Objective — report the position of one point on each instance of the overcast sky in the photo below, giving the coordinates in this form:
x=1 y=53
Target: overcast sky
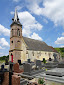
x=41 y=19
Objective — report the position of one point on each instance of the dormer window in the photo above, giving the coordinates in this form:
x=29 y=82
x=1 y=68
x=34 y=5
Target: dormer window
x=18 y=32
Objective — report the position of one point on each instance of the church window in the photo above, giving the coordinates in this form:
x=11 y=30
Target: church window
x=49 y=55
x=11 y=41
x=26 y=52
x=18 y=41
x=18 y=32
x=33 y=53
x=40 y=53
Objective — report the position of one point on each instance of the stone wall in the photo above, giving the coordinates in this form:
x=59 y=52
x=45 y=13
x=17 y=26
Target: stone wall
x=6 y=79
x=15 y=80
x=39 y=55
x=15 y=43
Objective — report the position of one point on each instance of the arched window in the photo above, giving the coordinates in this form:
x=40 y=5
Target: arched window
x=18 y=32
x=33 y=53
x=11 y=41
x=40 y=53
x=49 y=55
x=26 y=52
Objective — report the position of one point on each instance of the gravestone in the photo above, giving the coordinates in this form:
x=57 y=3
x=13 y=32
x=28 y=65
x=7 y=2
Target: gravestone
x=28 y=60
x=50 y=65
x=29 y=70
x=55 y=57
x=19 y=61
x=38 y=64
x=16 y=67
x=55 y=72
x=6 y=61
x=11 y=66
x=61 y=64
x=2 y=67
x=27 y=67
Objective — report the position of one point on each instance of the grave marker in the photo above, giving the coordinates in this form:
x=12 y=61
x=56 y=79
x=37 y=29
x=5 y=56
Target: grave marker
x=55 y=57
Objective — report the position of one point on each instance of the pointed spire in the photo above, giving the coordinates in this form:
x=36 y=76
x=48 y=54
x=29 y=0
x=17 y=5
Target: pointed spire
x=15 y=16
x=16 y=19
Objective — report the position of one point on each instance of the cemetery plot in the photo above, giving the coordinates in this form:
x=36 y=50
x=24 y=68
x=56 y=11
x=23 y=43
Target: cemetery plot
x=56 y=72
x=50 y=65
x=61 y=65
x=31 y=69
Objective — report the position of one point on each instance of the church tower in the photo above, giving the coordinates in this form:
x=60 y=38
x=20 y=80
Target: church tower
x=15 y=39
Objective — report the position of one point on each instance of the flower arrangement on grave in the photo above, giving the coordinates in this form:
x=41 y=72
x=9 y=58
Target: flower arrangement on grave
x=41 y=81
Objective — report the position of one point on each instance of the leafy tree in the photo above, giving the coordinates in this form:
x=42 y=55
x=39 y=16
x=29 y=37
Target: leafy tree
x=61 y=51
x=3 y=57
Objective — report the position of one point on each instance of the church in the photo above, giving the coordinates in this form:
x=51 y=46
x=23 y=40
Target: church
x=23 y=48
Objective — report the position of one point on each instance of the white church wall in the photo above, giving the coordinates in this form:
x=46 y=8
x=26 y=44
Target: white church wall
x=23 y=52
x=39 y=55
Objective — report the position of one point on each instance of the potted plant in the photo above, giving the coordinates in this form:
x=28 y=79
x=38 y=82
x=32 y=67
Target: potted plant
x=41 y=81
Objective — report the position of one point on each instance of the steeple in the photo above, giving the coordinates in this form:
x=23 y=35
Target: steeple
x=16 y=16
x=15 y=19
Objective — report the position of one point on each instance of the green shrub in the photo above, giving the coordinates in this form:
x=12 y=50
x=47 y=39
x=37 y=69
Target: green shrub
x=41 y=81
x=44 y=61
x=4 y=57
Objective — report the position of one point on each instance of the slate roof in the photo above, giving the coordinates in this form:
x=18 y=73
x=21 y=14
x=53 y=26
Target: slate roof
x=36 y=45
